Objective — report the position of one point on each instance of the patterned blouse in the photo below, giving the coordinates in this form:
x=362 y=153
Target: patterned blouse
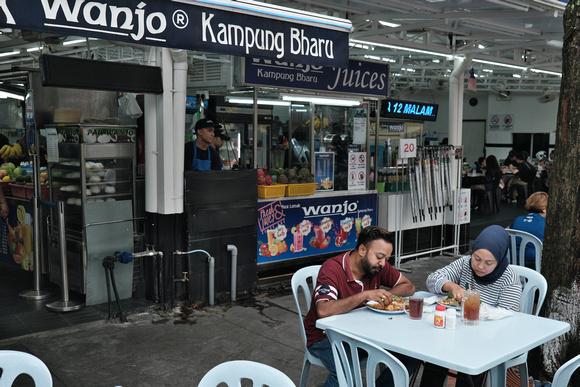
x=505 y=292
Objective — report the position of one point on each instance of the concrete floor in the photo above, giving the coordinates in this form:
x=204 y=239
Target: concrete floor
x=177 y=348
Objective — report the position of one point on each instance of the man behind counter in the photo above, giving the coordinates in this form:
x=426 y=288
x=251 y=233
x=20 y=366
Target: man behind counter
x=199 y=154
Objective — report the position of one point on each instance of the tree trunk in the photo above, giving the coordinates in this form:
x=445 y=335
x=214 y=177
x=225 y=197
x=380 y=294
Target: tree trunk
x=561 y=252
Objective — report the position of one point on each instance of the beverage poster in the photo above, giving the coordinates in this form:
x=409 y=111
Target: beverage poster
x=324 y=170
x=16 y=240
x=289 y=229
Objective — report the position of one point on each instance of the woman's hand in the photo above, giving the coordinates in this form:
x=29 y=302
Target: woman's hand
x=457 y=291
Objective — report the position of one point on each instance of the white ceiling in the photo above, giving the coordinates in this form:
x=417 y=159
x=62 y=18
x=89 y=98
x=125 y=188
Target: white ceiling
x=523 y=33
x=526 y=34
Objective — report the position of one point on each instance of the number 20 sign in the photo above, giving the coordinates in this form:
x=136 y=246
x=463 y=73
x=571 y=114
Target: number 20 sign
x=407 y=148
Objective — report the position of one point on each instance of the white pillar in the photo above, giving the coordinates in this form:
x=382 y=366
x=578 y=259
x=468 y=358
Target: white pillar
x=166 y=149
x=180 y=86
x=456 y=81
x=150 y=104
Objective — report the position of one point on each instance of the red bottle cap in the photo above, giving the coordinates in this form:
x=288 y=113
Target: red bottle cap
x=440 y=308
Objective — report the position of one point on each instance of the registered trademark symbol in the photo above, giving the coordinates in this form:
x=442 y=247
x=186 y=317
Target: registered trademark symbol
x=180 y=19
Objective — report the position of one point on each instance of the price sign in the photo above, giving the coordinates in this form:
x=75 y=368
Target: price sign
x=407 y=148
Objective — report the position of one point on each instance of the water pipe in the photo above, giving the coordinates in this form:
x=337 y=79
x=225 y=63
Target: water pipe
x=149 y=252
x=211 y=273
x=234 y=251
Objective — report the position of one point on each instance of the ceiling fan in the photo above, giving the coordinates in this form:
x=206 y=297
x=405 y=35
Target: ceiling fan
x=501 y=94
x=411 y=89
x=548 y=96
x=440 y=83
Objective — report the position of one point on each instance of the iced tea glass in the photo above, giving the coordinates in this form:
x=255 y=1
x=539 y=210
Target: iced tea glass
x=415 y=310
x=470 y=308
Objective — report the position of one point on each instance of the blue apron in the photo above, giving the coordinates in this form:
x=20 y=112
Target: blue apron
x=201 y=165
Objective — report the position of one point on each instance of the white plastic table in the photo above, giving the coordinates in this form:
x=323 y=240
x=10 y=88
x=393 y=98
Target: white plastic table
x=468 y=349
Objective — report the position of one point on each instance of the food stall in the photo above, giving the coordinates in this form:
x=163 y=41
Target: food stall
x=309 y=131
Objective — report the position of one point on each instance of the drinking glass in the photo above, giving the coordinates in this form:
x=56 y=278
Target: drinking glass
x=415 y=310
x=470 y=308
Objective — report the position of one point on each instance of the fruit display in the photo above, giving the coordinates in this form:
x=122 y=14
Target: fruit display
x=264 y=178
x=293 y=175
x=8 y=152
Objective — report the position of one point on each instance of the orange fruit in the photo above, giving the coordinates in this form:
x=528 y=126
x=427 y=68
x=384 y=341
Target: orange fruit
x=274 y=249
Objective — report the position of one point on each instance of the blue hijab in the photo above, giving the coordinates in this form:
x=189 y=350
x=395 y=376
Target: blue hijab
x=497 y=240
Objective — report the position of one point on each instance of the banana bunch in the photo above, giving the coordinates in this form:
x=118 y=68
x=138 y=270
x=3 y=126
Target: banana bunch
x=8 y=152
x=317 y=123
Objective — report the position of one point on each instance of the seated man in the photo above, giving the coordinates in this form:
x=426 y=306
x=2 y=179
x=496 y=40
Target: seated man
x=348 y=281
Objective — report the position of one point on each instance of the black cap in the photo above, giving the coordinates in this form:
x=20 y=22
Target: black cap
x=206 y=123
x=221 y=134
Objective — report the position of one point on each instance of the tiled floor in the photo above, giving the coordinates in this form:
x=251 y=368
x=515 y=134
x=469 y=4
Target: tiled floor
x=20 y=317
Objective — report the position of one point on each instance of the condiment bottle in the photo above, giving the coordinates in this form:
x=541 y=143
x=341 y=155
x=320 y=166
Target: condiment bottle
x=450 y=319
x=439 y=321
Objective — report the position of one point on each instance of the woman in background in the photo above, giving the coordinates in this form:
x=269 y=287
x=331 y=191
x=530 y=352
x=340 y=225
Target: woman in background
x=534 y=223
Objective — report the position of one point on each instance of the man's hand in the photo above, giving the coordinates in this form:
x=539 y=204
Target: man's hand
x=381 y=296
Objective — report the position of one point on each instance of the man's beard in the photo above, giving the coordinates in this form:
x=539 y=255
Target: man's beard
x=369 y=270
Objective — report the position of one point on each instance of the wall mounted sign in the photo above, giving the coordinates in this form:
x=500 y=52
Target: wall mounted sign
x=226 y=27
x=409 y=110
x=365 y=78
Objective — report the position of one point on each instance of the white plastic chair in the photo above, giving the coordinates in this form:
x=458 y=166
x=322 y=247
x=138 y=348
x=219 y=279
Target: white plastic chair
x=233 y=372
x=349 y=353
x=525 y=239
x=564 y=373
x=532 y=281
x=15 y=363
x=300 y=282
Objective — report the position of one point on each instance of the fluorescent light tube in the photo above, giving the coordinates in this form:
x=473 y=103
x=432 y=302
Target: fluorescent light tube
x=250 y=101
x=322 y=100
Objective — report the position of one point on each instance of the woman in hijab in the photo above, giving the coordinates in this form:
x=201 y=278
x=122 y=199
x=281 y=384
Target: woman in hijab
x=486 y=270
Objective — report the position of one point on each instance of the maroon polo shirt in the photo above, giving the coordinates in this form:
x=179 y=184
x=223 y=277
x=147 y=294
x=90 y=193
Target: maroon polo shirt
x=335 y=281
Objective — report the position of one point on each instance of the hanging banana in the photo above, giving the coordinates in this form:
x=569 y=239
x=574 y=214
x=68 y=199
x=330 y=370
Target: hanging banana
x=17 y=150
x=8 y=152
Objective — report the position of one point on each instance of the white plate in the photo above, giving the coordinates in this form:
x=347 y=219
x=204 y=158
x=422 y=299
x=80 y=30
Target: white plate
x=382 y=311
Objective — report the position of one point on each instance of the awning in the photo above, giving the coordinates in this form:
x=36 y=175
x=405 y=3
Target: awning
x=241 y=28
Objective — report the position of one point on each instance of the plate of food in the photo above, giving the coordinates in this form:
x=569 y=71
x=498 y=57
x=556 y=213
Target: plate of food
x=450 y=303
x=397 y=306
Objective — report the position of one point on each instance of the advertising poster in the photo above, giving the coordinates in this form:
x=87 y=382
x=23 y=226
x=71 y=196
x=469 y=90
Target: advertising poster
x=324 y=171
x=16 y=242
x=290 y=229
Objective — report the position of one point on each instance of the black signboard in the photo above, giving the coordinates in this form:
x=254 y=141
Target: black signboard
x=409 y=110
x=234 y=30
x=365 y=78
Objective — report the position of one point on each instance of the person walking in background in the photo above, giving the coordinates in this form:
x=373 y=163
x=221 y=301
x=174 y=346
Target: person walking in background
x=534 y=223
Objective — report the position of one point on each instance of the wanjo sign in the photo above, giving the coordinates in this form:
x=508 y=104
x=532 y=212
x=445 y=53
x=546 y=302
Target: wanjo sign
x=184 y=24
x=366 y=78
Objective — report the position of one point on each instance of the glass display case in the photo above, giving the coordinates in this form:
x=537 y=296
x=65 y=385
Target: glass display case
x=86 y=174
